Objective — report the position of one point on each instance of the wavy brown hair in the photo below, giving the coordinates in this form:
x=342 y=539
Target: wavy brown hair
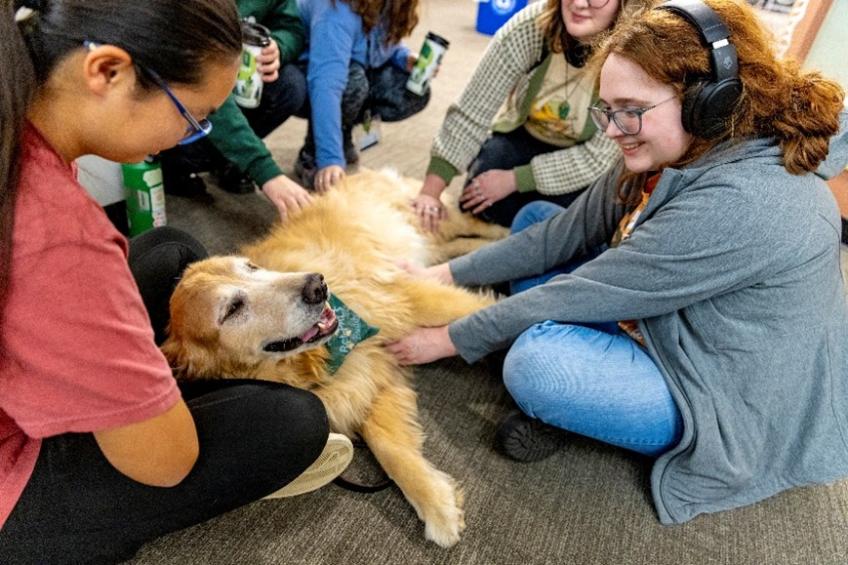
x=799 y=109
x=557 y=38
x=401 y=16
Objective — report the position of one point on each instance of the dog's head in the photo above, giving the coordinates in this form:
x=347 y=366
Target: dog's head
x=229 y=317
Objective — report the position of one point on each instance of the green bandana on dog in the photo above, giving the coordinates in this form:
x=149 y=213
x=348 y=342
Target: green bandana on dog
x=352 y=330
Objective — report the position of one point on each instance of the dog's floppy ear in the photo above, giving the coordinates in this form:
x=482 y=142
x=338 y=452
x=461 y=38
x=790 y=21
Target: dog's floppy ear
x=173 y=350
x=187 y=359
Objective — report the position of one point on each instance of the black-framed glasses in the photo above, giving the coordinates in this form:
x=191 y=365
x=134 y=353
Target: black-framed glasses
x=627 y=120
x=196 y=129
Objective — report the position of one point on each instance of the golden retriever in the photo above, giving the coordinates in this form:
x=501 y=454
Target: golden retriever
x=265 y=315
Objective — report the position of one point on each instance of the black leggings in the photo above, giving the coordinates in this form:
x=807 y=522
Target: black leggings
x=507 y=151
x=380 y=91
x=255 y=437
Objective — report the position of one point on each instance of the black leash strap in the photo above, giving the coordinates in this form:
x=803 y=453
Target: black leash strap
x=360 y=487
x=355 y=486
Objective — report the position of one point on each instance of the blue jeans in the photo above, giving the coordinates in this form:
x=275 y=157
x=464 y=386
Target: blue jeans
x=591 y=379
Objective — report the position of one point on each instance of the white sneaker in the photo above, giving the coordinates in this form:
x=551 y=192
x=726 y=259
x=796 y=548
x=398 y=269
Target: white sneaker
x=335 y=458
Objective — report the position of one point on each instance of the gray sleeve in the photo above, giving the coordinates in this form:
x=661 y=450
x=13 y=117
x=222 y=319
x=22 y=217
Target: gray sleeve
x=586 y=224
x=696 y=246
x=837 y=157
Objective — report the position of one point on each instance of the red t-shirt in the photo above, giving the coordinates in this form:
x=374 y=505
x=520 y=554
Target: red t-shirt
x=78 y=353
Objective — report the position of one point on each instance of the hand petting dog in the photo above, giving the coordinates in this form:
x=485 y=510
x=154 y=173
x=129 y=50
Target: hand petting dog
x=423 y=345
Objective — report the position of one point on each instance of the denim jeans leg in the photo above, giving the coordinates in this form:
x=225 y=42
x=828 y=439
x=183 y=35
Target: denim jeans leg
x=594 y=383
x=528 y=215
x=534 y=213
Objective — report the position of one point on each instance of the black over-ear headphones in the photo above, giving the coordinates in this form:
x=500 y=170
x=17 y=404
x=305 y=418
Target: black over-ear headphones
x=708 y=104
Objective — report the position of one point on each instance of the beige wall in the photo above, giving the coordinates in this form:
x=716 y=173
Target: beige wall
x=830 y=48
x=829 y=53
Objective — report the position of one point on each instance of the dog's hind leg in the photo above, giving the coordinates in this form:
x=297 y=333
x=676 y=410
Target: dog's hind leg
x=460 y=234
x=394 y=436
x=437 y=304
x=452 y=248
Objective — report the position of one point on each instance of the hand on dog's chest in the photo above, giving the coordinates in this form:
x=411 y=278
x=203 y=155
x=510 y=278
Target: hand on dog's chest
x=352 y=330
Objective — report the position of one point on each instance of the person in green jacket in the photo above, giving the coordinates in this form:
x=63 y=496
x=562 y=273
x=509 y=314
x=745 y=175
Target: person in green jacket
x=234 y=149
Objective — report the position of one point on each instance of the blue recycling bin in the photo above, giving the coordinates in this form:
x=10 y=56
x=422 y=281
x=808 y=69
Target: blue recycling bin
x=492 y=14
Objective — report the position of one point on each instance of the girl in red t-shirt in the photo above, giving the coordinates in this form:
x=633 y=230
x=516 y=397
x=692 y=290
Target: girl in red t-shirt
x=92 y=424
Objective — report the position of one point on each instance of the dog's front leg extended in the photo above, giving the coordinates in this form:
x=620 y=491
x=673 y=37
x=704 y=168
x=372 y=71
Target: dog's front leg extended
x=394 y=436
x=437 y=304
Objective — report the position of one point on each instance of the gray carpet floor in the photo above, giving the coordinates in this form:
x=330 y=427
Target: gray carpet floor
x=587 y=505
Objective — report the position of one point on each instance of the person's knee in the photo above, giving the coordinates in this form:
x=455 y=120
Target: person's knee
x=298 y=432
x=533 y=213
x=152 y=242
x=288 y=94
x=355 y=93
x=547 y=359
x=258 y=435
x=301 y=415
x=495 y=151
x=525 y=367
x=157 y=259
x=272 y=415
x=293 y=80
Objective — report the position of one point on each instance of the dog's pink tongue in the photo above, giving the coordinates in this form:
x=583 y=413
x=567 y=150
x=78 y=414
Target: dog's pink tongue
x=310 y=333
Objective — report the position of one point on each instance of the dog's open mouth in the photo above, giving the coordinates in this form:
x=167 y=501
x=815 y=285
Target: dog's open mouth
x=326 y=325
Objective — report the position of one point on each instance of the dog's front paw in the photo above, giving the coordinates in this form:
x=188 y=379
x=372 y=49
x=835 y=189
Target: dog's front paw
x=444 y=521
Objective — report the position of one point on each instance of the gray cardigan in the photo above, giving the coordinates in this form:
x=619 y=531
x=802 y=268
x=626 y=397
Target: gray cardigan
x=733 y=273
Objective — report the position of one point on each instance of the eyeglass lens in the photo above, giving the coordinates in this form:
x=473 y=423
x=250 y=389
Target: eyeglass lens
x=628 y=121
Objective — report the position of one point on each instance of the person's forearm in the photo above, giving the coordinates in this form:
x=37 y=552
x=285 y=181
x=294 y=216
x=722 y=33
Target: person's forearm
x=433 y=186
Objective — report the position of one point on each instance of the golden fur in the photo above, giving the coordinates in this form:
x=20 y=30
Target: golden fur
x=354 y=235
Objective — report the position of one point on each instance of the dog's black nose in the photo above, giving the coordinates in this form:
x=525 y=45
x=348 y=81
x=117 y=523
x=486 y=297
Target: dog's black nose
x=315 y=290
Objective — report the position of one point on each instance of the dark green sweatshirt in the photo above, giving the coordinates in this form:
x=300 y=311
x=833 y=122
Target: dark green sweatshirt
x=231 y=134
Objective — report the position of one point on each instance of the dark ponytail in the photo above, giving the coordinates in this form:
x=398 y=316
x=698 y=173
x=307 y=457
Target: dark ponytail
x=175 y=38
x=16 y=89
x=172 y=37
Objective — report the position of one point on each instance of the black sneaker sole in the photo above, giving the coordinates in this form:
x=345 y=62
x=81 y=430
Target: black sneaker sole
x=526 y=439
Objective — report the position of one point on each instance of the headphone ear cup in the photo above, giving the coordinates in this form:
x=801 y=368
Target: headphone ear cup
x=689 y=105
x=719 y=103
x=708 y=105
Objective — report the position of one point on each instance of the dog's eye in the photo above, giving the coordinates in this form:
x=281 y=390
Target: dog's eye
x=251 y=267
x=233 y=308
